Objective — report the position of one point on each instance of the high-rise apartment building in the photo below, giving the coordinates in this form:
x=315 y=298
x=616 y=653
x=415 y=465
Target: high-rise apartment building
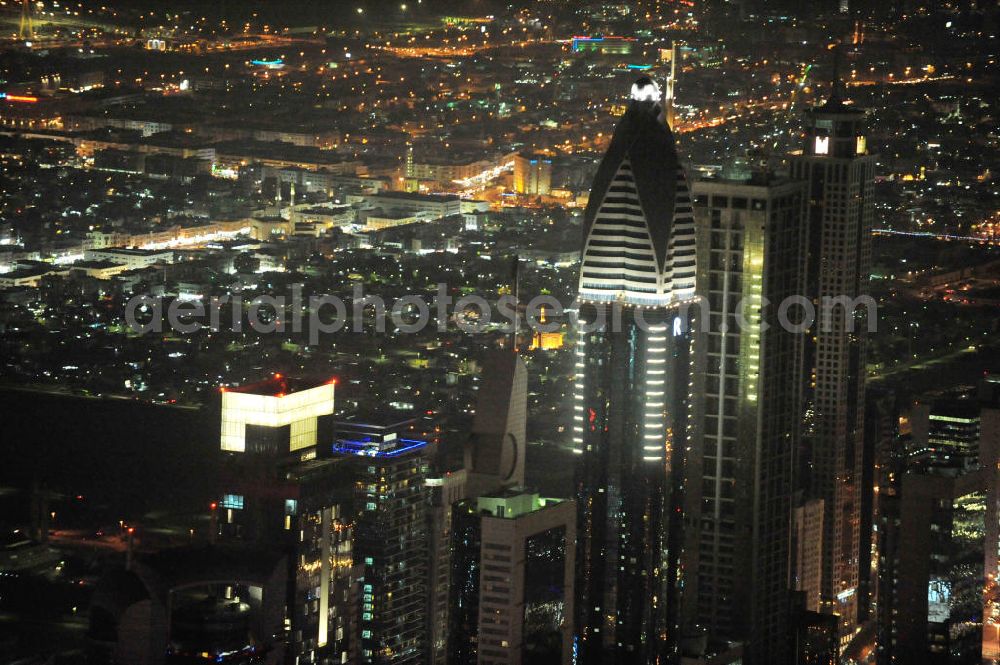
x=513 y=567
x=493 y=459
x=634 y=375
x=936 y=595
x=839 y=173
x=807 y=561
x=938 y=544
x=444 y=491
x=278 y=491
x=752 y=238
x=947 y=432
x=390 y=535
x=532 y=174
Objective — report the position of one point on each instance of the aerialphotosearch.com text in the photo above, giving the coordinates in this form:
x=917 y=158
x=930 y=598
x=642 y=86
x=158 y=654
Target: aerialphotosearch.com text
x=318 y=315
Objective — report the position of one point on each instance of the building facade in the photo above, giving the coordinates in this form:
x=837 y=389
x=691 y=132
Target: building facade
x=937 y=597
x=634 y=375
x=280 y=491
x=391 y=543
x=532 y=174
x=514 y=567
x=751 y=258
x=493 y=459
x=839 y=173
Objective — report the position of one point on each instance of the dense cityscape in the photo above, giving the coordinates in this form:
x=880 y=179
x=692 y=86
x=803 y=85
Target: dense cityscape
x=446 y=332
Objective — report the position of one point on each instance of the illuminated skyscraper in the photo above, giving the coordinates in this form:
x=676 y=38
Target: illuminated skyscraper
x=938 y=528
x=390 y=536
x=279 y=493
x=840 y=176
x=947 y=432
x=631 y=408
x=444 y=490
x=751 y=257
x=937 y=551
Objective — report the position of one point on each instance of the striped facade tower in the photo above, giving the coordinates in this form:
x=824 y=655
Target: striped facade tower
x=634 y=375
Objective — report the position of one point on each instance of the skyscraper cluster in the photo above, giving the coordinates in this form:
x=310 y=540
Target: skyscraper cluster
x=724 y=500
x=719 y=436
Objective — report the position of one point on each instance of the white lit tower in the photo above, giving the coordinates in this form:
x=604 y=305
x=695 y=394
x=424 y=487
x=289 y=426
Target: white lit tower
x=634 y=374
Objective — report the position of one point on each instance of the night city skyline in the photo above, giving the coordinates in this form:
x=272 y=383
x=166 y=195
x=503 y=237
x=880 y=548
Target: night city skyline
x=662 y=332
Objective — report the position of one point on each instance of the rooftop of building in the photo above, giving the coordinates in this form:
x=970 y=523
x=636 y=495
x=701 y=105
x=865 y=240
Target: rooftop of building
x=378 y=420
x=955 y=408
x=133 y=251
x=279 y=150
x=643 y=138
x=513 y=502
x=528 y=154
x=452 y=159
x=749 y=178
x=417 y=196
x=29 y=271
x=278 y=385
x=325 y=209
x=95 y=265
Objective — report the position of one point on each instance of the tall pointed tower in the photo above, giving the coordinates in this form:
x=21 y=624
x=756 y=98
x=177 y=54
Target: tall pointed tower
x=634 y=375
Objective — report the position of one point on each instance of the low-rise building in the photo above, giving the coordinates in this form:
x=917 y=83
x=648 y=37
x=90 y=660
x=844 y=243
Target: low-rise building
x=130 y=257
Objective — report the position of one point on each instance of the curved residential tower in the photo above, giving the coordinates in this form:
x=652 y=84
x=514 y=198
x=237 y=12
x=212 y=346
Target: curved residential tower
x=634 y=375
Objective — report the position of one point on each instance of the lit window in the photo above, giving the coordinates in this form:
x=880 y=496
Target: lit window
x=822 y=145
x=232 y=501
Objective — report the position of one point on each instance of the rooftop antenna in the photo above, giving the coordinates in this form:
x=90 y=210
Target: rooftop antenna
x=836 y=84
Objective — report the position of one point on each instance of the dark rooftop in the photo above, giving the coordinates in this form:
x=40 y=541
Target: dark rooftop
x=417 y=196
x=279 y=385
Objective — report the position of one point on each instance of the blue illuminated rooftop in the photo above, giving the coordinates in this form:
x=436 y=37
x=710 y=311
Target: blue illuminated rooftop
x=371 y=448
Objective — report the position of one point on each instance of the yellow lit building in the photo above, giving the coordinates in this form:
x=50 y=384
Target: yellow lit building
x=546 y=341
x=276 y=415
x=532 y=175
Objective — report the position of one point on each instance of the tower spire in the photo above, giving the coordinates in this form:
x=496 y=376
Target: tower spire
x=836 y=82
x=26 y=29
